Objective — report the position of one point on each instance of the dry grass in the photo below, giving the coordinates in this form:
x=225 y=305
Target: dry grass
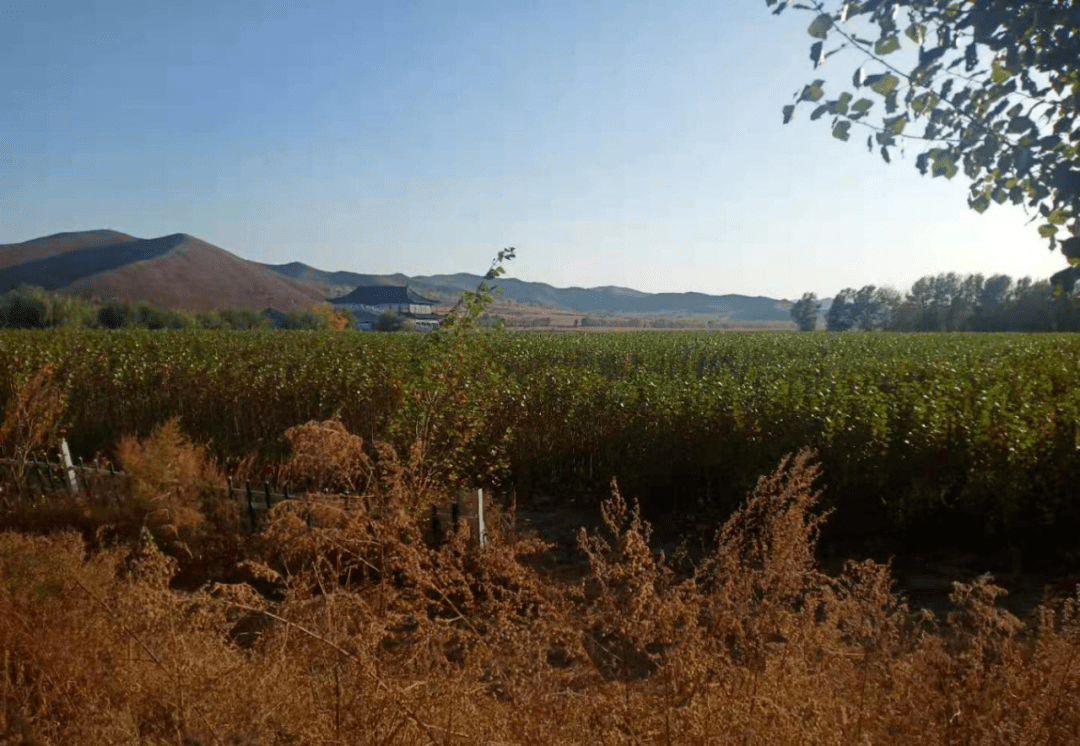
x=31 y=419
x=350 y=627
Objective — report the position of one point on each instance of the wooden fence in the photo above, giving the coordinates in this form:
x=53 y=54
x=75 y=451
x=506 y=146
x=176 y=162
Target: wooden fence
x=42 y=480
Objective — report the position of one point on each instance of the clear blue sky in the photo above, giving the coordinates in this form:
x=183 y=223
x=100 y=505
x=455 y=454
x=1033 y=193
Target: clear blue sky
x=613 y=143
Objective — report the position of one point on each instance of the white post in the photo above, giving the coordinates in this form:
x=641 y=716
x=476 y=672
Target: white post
x=69 y=468
x=480 y=530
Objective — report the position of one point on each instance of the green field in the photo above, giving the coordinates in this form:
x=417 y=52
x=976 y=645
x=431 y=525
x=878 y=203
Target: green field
x=927 y=433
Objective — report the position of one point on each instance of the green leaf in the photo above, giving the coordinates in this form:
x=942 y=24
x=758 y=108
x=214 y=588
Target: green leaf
x=1020 y=124
x=895 y=125
x=789 y=112
x=1057 y=217
x=1048 y=231
x=944 y=166
x=888 y=45
x=813 y=92
x=925 y=102
x=980 y=204
x=916 y=32
x=862 y=106
x=999 y=74
x=891 y=103
x=840 y=131
x=1070 y=247
x=840 y=105
x=1064 y=281
x=885 y=85
x=819 y=29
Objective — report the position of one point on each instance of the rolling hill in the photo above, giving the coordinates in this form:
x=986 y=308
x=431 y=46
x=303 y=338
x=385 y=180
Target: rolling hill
x=175 y=271
x=182 y=271
x=49 y=246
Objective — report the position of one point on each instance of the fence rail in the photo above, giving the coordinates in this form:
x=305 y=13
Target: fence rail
x=98 y=480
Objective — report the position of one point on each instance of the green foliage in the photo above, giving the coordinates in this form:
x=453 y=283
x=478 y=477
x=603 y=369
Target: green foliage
x=805 y=312
x=451 y=422
x=995 y=85
x=35 y=308
x=307 y=320
x=911 y=428
x=391 y=321
x=116 y=316
x=951 y=302
x=841 y=316
x=470 y=306
x=243 y=318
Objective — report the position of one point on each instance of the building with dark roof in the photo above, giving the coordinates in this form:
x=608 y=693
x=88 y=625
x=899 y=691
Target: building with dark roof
x=376 y=299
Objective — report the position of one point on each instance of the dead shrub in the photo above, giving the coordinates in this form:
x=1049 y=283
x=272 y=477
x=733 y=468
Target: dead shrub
x=32 y=417
x=346 y=626
x=326 y=456
x=174 y=488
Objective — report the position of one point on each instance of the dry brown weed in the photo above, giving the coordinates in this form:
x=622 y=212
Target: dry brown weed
x=352 y=626
x=32 y=419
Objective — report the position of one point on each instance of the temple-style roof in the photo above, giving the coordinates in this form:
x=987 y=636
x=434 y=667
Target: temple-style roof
x=378 y=295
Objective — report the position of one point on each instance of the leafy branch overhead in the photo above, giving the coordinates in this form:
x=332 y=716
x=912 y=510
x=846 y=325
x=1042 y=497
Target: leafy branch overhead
x=989 y=87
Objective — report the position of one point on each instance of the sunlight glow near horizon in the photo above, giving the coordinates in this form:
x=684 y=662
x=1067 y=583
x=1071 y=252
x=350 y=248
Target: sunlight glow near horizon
x=618 y=143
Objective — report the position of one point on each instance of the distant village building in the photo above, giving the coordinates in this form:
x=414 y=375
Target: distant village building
x=372 y=300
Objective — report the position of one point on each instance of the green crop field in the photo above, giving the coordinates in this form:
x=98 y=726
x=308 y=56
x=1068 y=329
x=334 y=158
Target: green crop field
x=930 y=432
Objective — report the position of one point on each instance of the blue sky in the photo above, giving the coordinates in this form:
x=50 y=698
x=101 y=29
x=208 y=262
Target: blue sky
x=613 y=143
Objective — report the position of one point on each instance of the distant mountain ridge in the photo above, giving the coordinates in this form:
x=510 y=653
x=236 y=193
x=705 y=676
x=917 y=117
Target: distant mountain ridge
x=182 y=271
x=607 y=299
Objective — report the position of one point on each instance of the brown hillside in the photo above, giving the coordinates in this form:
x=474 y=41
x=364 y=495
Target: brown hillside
x=61 y=243
x=198 y=276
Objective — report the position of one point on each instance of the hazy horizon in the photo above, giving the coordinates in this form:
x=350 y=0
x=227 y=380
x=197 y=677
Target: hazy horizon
x=615 y=144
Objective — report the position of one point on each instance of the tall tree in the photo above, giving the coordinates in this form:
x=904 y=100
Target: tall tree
x=886 y=301
x=841 y=316
x=994 y=84
x=805 y=312
x=995 y=291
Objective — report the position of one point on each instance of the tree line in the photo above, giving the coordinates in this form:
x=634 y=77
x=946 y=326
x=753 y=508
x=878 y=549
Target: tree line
x=35 y=308
x=944 y=303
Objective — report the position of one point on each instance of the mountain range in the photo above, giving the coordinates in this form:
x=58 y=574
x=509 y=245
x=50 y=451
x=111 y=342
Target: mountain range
x=182 y=271
x=599 y=300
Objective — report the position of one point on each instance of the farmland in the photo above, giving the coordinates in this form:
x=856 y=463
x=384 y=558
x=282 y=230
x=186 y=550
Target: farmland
x=157 y=613
x=971 y=431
